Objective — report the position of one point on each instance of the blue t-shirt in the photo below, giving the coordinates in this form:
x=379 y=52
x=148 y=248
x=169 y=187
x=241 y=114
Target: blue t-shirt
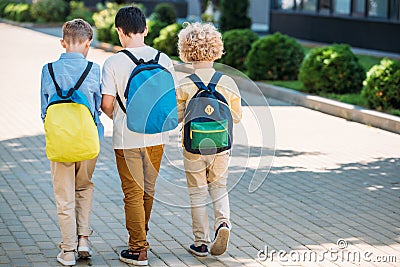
x=67 y=71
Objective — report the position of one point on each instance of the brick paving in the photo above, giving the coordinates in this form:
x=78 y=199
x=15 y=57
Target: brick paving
x=330 y=179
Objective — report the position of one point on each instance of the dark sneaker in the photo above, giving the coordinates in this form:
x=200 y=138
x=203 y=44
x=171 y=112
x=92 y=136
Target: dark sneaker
x=221 y=240
x=138 y=258
x=201 y=251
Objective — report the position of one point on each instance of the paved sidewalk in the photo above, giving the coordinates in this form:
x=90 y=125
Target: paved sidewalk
x=330 y=180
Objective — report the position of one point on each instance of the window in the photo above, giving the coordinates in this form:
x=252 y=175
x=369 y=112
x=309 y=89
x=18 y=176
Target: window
x=310 y=5
x=359 y=8
x=285 y=4
x=378 y=8
x=325 y=6
x=342 y=7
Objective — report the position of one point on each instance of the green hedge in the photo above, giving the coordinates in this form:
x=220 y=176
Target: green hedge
x=382 y=85
x=104 y=20
x=154 y=27
x=49 y=10
x=167 y=42
x=274 y=57
x=165 y=13
x=18 y=12
x=237 y=44
x=79 y=10
x=332 y=69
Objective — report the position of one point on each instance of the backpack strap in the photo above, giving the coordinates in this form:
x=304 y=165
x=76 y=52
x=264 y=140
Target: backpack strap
x=157 y=58
x=214 y=80
x=211 y=85
x=197 y=81
x=131 y=56
x=78 y=83
x=121 y=105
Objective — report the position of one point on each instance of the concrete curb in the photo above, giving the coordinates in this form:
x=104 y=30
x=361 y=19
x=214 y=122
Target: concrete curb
x=349 y=112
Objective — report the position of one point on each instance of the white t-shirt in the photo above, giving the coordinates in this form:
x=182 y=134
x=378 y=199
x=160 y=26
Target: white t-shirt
x=116 y=72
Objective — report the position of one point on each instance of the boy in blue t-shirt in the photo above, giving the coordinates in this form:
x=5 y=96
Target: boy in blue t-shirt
x=73 y=188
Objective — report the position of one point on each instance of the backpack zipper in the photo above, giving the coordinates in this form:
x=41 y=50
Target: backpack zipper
x=201 y=131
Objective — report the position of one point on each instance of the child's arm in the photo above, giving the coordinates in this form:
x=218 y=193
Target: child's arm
x=107 y=105
x=44 y=97
x=109 y=90
x=182 y=97
x=235 y=102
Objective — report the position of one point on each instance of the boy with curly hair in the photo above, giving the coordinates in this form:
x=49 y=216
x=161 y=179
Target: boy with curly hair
x=201 y=44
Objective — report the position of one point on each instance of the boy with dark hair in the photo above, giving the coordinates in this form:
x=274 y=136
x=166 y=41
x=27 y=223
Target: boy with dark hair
x=138 y=156
x=73 y=188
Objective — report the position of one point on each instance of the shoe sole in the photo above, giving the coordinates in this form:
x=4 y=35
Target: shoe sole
x=134 y=262
x=66 y=263
x=220 y=244
x=200 y=254
x=84 y=254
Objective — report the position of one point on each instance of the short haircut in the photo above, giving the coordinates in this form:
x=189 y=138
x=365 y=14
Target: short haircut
x=77 y=31
x=131 y=20
x=200 y=42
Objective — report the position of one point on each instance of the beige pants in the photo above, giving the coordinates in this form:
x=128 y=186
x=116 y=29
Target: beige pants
x=138 y=170
x=73 y=191
x=207 y=174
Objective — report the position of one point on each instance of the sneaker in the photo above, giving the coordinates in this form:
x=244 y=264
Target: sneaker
x=84 y=250
x=220 y=243
x=201 y=251
x=135 y=258
x=66 y=258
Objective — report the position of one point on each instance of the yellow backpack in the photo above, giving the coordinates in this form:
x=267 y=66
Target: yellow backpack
x=71 y=132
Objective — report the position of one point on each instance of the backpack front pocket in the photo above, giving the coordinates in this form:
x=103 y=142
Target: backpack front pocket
x=208 y=135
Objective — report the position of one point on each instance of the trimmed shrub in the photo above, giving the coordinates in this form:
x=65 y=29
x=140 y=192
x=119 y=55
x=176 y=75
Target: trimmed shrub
x=167 y=42
x=237 y=44
x=154 y=27
x=79 y=10
x=3 y=5
x=165 y=12
x=104 y=22
x=49 y=10
x=332 y=69
x=234 y=15
x=381 y=87
x=274 y=57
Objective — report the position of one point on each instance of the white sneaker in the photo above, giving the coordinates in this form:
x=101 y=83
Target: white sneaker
x=66 y=258
x=84 y=250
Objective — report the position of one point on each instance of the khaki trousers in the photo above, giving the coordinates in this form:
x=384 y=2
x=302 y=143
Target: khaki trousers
x=73 y=192
x=138 y=170
x=207 y=174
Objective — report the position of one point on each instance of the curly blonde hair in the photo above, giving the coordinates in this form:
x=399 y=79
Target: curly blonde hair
x=200 y=42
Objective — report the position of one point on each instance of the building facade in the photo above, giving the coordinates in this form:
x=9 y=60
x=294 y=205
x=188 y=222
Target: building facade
x=372 y=24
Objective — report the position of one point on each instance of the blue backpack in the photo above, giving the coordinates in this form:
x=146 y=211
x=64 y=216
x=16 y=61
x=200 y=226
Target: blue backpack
x=208 y=120
x=150 y=96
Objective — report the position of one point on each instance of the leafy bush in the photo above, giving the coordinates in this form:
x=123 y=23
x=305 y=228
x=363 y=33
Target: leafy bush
x=332 y=69
x=167 y=42
x=154 y=27
x=17 y=12
x=49 y=10
x=234 y=15
x=3 y=5
x=237 y=44
x=165 y=12
x=104 y=22
x=381 y=87
x=274 y=57
x=79 y=10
